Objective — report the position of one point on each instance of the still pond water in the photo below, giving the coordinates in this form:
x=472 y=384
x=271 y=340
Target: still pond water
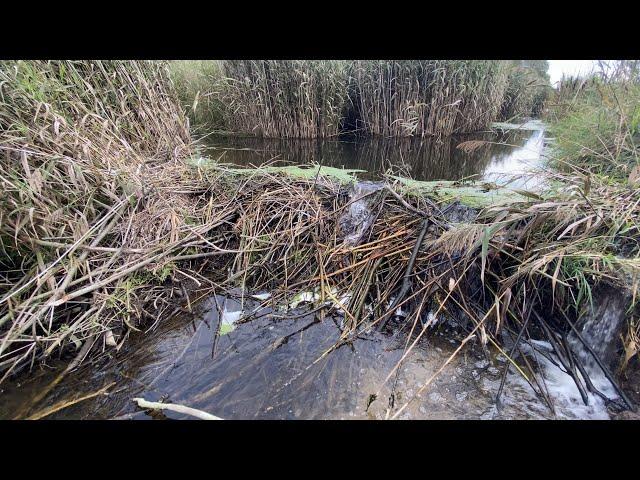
x=499 y=155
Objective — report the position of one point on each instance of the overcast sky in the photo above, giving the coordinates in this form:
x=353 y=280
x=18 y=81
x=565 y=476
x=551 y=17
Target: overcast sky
x=569 y=67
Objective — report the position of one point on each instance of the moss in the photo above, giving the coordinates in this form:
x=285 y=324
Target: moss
x=308 y=172
x=475 y=195
x=531 y=125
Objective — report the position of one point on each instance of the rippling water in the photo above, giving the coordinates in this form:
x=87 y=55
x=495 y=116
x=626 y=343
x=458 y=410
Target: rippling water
x=273 y=368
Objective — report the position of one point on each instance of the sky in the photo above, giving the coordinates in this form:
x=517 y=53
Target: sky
x=569 y=67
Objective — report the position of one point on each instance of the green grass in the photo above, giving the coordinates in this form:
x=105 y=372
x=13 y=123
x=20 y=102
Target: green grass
x=596 y=125
x=198 y=84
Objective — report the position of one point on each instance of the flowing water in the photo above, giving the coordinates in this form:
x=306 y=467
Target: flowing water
x=274 y=367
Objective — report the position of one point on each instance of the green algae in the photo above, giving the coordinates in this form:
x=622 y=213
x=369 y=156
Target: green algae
x=471 y=194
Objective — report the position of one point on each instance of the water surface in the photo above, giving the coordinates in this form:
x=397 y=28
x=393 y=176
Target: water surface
x=497 y=155
x=274 y=368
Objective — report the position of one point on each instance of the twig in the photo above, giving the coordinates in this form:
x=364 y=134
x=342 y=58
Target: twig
x=406 y=281
x=142 y=403
x=64 y=404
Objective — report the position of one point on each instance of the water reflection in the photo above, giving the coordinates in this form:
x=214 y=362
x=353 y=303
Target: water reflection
x=495 y=154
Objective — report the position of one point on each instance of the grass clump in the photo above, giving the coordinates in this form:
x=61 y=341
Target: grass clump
x=596 y=122
x=198 y=84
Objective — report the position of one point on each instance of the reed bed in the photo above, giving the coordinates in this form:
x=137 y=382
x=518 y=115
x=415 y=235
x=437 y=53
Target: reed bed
x=308 y=99
x=199 y=84
x=525 y=95
x=429 y=97
x=297 y=98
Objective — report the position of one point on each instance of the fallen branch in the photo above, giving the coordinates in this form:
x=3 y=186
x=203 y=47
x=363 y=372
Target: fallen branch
x=142 y=403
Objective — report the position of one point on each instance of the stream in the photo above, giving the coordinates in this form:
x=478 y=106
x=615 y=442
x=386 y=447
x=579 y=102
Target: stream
x=274 y=367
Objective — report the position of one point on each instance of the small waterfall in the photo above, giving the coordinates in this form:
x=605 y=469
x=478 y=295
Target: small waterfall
x=358 y=218
x=600 y=328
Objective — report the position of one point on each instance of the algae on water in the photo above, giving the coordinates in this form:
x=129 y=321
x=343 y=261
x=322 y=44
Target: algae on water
x=472 y=194
x=308 y=172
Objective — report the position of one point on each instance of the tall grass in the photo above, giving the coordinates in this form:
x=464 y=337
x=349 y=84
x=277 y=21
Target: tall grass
x=308 y=99
x=525 y=95
x=298 y=98
x=427 y=97
x=596 y=122
x=198 y=84
x=83 y=148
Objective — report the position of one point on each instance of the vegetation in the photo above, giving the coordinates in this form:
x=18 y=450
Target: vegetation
x=106 y=216
x=596 y=122
x=309 y=99
x=199 y=84
x=527 y=89
x=298 y=98
x=86 y=150
x=431 y=97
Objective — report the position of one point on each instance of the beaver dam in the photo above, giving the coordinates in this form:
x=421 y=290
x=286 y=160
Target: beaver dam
x=357 y=277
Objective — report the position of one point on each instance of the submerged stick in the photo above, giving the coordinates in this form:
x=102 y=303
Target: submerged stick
x=406 y=282
x=142 y=403
x=64 y=404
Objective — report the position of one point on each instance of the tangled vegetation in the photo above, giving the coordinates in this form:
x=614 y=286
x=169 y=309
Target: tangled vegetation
x=106 y=217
